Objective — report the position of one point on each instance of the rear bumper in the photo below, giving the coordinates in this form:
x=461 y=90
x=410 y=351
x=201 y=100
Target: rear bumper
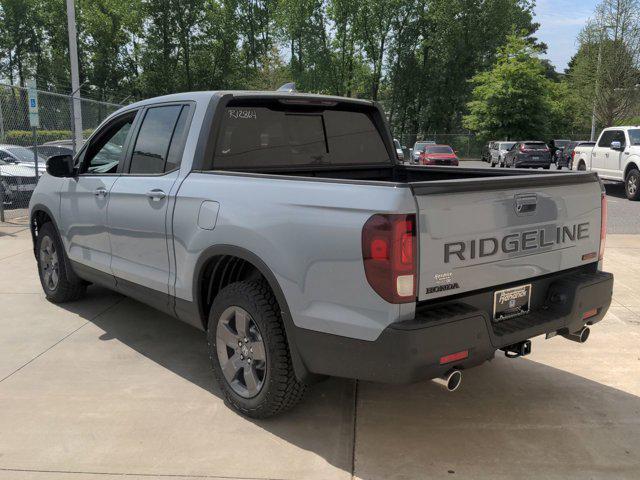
x=409 y=351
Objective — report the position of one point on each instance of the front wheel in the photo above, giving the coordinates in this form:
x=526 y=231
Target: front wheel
x=632 y=184
x=249 y=351
x=58 y=284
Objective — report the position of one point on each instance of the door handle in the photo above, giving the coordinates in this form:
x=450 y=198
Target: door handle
x=100 y=192
x=156 y=194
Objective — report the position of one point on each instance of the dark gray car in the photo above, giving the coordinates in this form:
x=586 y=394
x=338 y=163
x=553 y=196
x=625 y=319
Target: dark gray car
x=528 y=154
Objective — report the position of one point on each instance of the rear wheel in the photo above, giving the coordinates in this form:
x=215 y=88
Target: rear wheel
x=59 y=285
x=582 y=166
x=632 y=184
x=249 y=351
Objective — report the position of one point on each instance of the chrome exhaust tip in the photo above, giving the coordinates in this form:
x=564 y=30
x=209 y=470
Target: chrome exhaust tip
x=450 y=381
x=580 y=336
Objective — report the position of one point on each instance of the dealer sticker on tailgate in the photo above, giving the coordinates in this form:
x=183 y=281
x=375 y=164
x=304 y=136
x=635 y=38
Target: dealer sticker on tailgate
x=511 y=302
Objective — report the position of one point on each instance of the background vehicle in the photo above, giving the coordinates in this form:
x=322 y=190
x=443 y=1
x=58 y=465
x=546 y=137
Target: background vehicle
x=23 y=156
x=566 y=159
x=17 y=182
x=486 y=152
x=438 y=155
x=59 y=147
x=615 y=156
x=418 y=148
x=399 y=150
x=283 y=225
x=498 y=151
x=556 y=147
x=529 y=154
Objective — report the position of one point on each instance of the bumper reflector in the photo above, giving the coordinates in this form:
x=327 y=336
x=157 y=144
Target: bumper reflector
x=590 y=313
x=452 y=357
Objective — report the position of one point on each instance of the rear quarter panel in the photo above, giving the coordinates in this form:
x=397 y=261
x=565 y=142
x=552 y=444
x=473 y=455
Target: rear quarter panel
x=307 y=232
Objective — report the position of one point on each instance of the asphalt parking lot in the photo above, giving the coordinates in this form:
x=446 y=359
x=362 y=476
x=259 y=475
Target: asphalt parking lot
x=107 y=387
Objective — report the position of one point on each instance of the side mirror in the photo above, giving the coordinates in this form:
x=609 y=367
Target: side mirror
x=616 y=145
x=60 y=166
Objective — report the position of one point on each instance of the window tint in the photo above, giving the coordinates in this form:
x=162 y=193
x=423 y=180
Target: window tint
x=174 y=157
x=105 y=150
x=439 y=149
x=535 y=145
x=611 y=136
x=152 y=145
x=506 y=145
x=259 y=136
x=634 y=136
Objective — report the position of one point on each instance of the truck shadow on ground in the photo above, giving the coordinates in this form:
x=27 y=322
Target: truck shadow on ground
x=615 y=190
x=510 y=417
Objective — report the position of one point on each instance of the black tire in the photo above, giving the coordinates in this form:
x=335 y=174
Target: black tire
x=582 y=167
x=547 y=167
x=280 y=390
x=59 y=284
x=632 y=184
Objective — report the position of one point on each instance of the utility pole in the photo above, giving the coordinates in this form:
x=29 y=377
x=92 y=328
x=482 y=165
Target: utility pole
x=603 y=30
x=75 y=74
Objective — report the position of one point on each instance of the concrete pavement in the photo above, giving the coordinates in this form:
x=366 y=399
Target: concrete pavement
x=108 y=387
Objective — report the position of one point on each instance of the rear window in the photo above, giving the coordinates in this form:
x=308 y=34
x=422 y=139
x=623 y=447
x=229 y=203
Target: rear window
x=439 y=149
x=279 y=136
x=535 y=145
x=506 y=145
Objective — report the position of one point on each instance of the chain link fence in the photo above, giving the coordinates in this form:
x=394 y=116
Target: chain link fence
x=24 y=151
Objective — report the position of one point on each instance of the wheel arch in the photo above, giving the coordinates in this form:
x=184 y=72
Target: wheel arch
x=218 y=253
x=631 y=164
x=39 y=215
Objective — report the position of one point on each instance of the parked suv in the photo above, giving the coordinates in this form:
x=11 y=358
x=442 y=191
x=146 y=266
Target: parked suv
x=529 y=154
x=498 y=151
x=283 y=226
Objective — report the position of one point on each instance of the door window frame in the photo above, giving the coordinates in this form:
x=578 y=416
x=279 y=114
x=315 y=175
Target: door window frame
x=126 y=164
x=79 y=159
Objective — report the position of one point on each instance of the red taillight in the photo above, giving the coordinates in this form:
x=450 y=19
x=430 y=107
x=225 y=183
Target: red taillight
x=454 y=357
x=522 y=149
x=603 y=224
x=389 y=256
x=590 y=313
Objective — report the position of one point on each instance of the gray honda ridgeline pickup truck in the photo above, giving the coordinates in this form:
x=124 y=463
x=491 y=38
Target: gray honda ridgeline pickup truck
x=282 y=225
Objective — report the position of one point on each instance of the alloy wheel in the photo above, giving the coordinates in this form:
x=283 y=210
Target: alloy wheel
x=49 y=263
x=241 y=352
x=632 y=184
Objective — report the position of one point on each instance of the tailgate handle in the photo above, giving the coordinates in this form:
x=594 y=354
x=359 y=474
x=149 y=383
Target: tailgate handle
x=526 y=203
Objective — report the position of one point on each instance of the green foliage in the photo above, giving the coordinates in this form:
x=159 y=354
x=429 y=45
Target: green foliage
x=514 y=99
x=25 y=137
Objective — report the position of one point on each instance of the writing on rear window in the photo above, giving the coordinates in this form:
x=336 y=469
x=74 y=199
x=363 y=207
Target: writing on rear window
x=242 y=113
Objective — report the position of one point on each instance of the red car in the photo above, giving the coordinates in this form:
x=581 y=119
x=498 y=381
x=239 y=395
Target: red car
x=438 y=155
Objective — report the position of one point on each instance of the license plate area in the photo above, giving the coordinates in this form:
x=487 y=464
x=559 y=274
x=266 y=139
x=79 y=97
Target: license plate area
x=511 y=302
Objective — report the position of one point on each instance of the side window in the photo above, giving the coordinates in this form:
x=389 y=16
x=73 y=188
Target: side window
x=150 y=152
x=619 y=137
x=105 y=150
x=174 y=157
x=606 y=138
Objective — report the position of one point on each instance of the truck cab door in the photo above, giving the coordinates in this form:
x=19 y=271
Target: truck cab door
x=601 y=152
x=614 y=159
x=139 y=223
x=85 y=197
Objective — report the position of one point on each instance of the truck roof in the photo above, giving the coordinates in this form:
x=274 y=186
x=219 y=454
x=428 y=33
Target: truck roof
x=207 y=95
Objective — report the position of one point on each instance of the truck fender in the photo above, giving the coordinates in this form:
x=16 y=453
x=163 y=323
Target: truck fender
x=300 y=369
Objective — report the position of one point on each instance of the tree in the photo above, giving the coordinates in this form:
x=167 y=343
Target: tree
x=511 y=100
x=604 y=74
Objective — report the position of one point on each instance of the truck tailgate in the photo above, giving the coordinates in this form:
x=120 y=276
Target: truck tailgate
x=476 y=234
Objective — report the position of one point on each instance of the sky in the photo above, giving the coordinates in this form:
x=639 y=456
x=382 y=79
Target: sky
x=560 y=23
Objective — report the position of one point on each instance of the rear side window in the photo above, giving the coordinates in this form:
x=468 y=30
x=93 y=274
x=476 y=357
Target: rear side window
x=151 y=153
x=634 y=136
x=278 y=136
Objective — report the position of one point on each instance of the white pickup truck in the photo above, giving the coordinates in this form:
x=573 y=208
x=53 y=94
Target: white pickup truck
x=616 y=156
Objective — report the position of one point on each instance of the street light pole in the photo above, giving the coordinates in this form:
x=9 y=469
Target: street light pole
x=603 y=29
x=75 y=73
